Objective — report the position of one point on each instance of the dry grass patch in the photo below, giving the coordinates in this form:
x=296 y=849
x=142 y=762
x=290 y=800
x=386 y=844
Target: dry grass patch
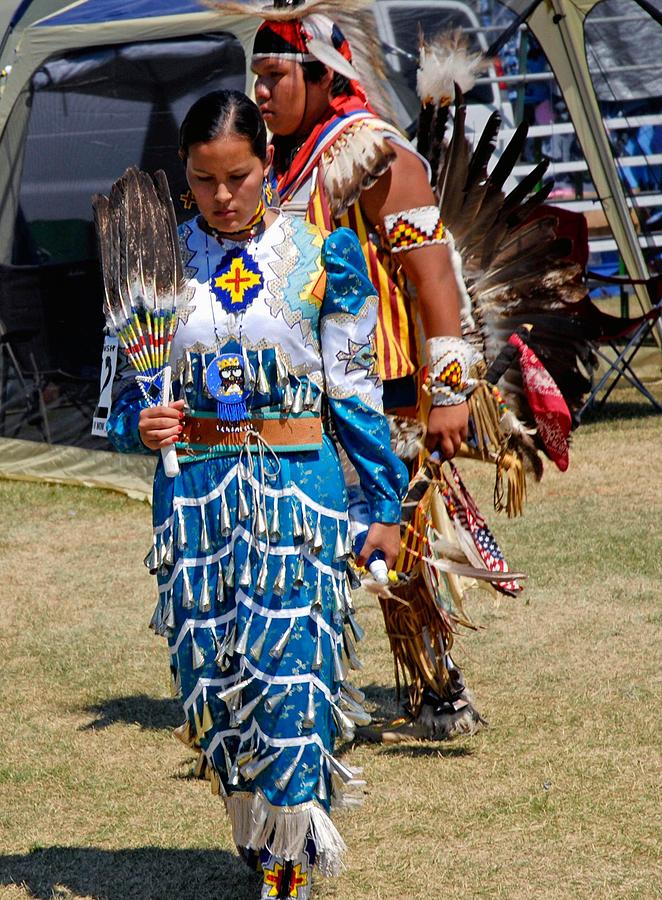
x=559 y=798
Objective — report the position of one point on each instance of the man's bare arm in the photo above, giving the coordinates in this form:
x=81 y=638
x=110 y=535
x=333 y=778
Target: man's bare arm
x=405 y=186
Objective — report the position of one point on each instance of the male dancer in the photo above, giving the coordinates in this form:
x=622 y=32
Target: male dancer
x=338 y=164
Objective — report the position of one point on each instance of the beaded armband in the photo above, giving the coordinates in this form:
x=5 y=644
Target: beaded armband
x=450 y=364
x=411 y=228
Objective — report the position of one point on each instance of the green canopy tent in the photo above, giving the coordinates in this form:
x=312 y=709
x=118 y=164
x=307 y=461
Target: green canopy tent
x=559 y=27
x=67 y=70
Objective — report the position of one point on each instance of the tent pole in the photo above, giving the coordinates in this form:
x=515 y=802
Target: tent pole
x=559 y=28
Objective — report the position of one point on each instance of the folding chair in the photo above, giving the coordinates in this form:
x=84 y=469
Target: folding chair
x=609 y=332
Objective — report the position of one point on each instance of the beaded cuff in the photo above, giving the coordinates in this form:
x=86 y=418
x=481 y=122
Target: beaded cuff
x=450 y=363
x=411 y=228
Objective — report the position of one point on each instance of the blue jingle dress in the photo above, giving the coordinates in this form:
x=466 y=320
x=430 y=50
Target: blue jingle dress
x=251 y=542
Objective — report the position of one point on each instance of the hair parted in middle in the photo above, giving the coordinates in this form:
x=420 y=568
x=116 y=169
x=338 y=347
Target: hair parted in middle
x=221 y=113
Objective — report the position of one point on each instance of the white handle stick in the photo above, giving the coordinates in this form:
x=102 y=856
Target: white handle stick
x=169 y=454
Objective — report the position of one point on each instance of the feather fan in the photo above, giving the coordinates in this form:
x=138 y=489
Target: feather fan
x=143 y=278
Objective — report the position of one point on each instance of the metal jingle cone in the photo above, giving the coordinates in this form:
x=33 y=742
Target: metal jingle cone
x=219 y=596
x=317 y=403
x=357 y=631
x=182 y=537
x=297 y=403
x=318 y=659
x=348 y=542
x=308 y=533
x=277 y=650
x=301 y=571
x=297 y=527
x=260 y=522
x=169 y=615
x=225 y=650
x=226 y=525
x=247 y=709
x=204 y=603
x=280 y=583
x=204 y=536
x=169 y=555
x=282 y=782
x=258 y=646
x=322 y=789
x=350 y=650
x=155 y=621
x=197 y=656
x=318 y=539
x=152 y=559
x=356 y=713
x=344 y=723
x=160 y=551
x=229 y=573
x=263 y=577
x=288 y=398
x=188 y=598
x=272 y=703
x=274 y=527
x=261 y=381
x=242 y=644
x=282 y=376
x=309 y=397
x=309 y=716
x=243 y=510
x=188 y=369
x=245 y=574
x=353 y=692
x=339 y=670
x=176 y=684
x=338 y=602
x=353 y=578
x=226 y=757
x=233 y=775
x=339 y=548
x=207 y=719
x=197 y=723
x=228 y=693
x=318 y=602
x=340 y=769
x=254 y=768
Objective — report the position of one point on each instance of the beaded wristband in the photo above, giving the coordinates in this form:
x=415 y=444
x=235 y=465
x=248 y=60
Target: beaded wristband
x=450 y=360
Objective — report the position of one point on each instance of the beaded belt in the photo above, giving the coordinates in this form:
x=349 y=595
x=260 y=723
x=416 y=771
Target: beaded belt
x=203 y=434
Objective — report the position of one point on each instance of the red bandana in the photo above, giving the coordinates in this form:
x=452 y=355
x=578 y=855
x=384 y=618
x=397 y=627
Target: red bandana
x=547 y=404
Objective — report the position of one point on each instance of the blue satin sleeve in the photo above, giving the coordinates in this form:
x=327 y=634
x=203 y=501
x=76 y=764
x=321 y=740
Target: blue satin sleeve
x=347 y=329
x=122 y=425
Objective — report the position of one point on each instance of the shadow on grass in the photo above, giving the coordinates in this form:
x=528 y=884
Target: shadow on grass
x=150 y=713
x=143 y=873
x=441 y=749
x=614 y=410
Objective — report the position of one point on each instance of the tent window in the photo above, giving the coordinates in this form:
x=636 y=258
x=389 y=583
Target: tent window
x=96 y=112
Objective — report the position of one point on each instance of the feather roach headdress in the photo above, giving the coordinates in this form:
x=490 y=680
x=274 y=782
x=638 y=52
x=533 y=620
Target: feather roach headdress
x=341 y=34
x=142 y=275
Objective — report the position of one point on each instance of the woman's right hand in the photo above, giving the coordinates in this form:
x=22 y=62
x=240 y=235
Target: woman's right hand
x=160 y=426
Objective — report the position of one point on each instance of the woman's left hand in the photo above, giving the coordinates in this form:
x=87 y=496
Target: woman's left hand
x=381 y=536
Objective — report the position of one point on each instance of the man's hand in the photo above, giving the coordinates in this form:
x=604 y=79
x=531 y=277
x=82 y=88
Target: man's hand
x=160 y=426
x=384 y=537
x=447 y=428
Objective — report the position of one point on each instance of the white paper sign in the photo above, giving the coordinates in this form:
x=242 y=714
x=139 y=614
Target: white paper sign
x=108 y=368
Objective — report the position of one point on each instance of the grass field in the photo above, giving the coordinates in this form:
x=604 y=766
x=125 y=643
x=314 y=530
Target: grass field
x=559 y=798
